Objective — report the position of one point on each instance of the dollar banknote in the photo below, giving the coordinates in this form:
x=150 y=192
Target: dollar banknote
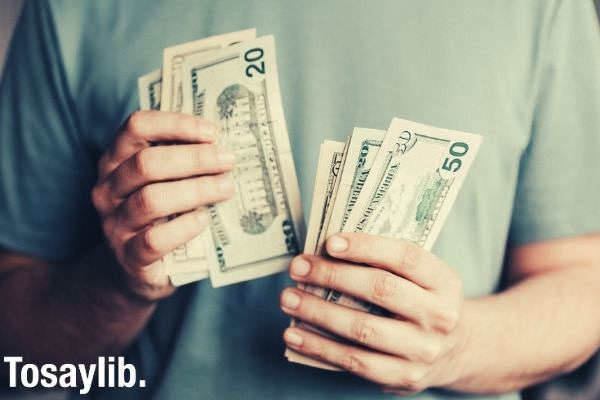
x=258 y=231
x=414 y=182
x=149 y=86
x=359 y=156
x=149 y=90
x=175 y=56
x=188 y=263
x=329 y=167
x=407 y=194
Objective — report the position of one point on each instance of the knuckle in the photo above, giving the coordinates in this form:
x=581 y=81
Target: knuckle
x=143 y=162
x=144 y=201
x=363 y=330
x=414 y=380
x=150 y=242
x=385 y=285
x=446 y=319
x=108 y=227
x=352 y=362
x=119 y=236
x=319 y=352
x=329 y=274
x=98 y=197
x=387 y=379
x=135 y=122
x=431 y=351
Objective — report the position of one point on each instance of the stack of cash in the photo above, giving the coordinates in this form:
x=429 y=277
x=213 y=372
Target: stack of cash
x=401 y=184
x=232 y=80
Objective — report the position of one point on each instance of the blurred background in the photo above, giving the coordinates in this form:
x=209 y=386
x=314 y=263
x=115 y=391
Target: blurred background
x=9 y=14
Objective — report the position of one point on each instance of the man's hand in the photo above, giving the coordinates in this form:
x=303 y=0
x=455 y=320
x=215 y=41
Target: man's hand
x=141 y=181
x=78 y=307
x=411 y=350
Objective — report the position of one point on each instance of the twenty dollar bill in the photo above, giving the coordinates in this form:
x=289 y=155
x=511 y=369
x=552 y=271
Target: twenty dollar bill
x=258 y=231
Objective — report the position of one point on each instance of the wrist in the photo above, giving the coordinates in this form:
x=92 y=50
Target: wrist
x=461 y=363
x=124 y=284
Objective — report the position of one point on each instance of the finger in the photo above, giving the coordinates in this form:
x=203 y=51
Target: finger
x=387 y=335
x=153 y=243
x=401 y=257
x=376 y=286
x=161 y=163
x=166 y=198
x=379 y=368
x=143 y=128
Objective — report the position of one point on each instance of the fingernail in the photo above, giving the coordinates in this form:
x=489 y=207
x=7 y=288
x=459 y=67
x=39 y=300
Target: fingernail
x=225 y=157
x=292 y=338
x=300 y=267
x=337 y=244
x=226 y=185
x=290 y=300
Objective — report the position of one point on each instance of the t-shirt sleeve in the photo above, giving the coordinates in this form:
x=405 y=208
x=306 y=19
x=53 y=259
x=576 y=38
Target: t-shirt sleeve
x=46 y=169
x=558 y=193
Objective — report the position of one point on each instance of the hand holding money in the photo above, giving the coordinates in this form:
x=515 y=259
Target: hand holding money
x=136 y=184
x=399 y=187
x=413 y=344
x=232 y=80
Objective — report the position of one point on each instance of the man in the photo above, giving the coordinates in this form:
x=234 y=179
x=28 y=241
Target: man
x=81 y=277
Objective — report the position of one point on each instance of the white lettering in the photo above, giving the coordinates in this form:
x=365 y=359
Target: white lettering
x=101 y=372
x=87 y=377
x=48 y=372
x=12 y=364
x=111 y=372
x=35 y=376
x=82 y=376
x=69 y=378
x=122 y=367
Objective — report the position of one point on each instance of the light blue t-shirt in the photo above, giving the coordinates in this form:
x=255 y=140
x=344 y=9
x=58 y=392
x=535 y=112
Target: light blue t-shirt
x=523 y=73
